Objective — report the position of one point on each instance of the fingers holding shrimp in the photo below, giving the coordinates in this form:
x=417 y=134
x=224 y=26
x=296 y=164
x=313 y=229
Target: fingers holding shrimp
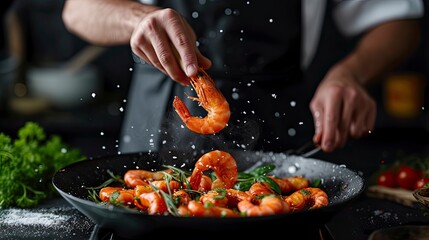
x=157 y=38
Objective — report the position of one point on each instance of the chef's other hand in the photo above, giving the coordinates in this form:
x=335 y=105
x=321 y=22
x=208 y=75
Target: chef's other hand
x=164 y=39
x=341 y=109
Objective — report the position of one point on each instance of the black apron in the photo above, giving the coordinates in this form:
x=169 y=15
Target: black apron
x=255 y=49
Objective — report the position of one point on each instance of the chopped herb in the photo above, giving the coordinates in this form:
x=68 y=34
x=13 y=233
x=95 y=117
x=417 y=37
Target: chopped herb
x=28 y=163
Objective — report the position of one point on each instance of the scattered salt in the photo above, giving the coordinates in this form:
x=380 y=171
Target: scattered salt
x=60 y=223
x=25 y=217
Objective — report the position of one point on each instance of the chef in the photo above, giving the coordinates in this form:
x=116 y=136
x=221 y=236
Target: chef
x=267 y=58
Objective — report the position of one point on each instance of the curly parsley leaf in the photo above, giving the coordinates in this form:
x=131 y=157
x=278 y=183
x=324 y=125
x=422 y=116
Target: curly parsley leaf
x=28 y=163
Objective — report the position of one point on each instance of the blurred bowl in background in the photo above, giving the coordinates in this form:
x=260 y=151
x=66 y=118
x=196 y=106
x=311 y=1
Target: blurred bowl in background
x=8 y=69
x=64 y=88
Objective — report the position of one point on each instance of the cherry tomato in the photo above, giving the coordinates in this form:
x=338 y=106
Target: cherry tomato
x=421 y=182
x=387 y=179
x=407 y=177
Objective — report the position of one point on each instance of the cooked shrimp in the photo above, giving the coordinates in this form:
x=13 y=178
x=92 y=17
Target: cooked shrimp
x=162 y=185
x=182 y=197
x=117 y=195
x=136 y=177
x=153 y=202
x=205 y=184
x=291 y=184
x=307 y=198
x=260 y=189
x=215 y=198
x=235 y=196
x=269 y=205
x=144 y=188
x=183 y=211
x=225 y=197
x=211 y=99
x=196 y=208
x=222 y=163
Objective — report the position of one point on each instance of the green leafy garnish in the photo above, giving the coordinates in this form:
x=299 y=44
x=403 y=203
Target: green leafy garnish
x=246 y=180
x=316 y=183
x=28 y=163
x=93 y=191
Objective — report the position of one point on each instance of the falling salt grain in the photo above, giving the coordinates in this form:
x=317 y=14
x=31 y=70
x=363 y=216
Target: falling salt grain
x=131 y=69
x=292 y=103
x=274 y=95
x=235 y=96
x=195 y=15
x=93 y=95
x=101 y=133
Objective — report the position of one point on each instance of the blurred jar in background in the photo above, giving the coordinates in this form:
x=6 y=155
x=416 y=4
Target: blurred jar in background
x=404 y=94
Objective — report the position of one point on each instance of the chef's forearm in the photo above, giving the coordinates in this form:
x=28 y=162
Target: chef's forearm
x=382 y=49
x=104 y=22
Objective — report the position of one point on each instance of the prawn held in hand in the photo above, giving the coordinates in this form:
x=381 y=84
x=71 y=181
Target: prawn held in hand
x=211 y=99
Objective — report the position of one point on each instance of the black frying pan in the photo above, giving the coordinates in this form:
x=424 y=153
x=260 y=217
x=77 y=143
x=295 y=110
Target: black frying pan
x=341 y=184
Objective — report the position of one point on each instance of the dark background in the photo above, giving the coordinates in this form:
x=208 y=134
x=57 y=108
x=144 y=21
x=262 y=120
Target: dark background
x=94 y=126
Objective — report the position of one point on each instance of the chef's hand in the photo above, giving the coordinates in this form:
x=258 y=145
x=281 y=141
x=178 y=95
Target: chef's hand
x=341 y=109
x=164 y=39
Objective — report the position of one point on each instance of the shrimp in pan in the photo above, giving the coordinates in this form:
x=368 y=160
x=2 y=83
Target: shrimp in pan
x=307 y=198
x=211 y=99
x=269 y=205
x=222 y=163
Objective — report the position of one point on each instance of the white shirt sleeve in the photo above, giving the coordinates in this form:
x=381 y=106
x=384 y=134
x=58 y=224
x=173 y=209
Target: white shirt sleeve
x=313 y=12
x=355 y=16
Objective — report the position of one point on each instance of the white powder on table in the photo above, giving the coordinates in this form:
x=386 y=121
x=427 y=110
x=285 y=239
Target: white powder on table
x=44 y=223
x=26 y=217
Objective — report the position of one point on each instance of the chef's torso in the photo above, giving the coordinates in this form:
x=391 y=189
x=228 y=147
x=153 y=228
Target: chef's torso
x=255 y=50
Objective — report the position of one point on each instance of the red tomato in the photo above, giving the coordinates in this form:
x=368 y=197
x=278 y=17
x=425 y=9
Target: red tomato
x=407 y=177
x=387 y=179
x=421 y=182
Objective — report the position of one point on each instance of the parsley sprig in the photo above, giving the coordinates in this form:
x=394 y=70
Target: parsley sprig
x=28 y=163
